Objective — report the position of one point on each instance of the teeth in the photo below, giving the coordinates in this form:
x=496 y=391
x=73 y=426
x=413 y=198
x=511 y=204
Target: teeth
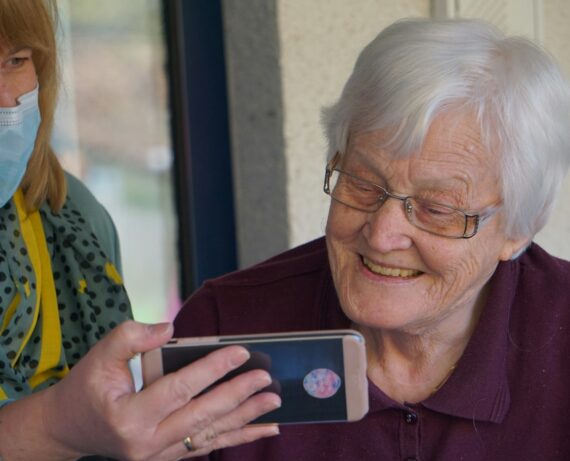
x=393 y=272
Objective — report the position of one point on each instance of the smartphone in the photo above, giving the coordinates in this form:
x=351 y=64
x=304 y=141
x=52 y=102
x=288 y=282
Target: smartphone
x=320 y=375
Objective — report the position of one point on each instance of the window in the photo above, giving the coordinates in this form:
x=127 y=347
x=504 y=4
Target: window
x=112 y=131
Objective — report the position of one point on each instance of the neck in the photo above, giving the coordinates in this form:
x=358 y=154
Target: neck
x=410 y=365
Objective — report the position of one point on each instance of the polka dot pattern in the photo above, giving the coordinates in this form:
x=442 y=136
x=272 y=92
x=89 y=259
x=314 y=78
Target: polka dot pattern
x=90 y=302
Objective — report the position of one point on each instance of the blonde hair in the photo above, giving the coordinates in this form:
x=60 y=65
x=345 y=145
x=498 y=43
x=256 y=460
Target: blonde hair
x=32 y=23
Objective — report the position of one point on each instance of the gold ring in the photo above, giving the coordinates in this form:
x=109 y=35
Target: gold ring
x=188 y=443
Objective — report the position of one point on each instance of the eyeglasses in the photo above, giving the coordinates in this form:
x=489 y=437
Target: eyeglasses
x=435 y=218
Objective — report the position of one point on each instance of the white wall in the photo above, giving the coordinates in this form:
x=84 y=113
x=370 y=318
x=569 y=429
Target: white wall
x=555 y=237
x=319 y=43
x=286 y=60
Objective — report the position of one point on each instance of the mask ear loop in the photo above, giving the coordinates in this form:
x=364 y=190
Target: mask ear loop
x=30 y=98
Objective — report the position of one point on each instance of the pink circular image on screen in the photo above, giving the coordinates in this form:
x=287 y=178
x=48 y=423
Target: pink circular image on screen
x=321 y=383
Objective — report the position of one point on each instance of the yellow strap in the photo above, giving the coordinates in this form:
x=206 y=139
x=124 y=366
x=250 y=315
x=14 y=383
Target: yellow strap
x=10 y=311
x=51 y=328
x=39 y=378
x=113 y=273
x=34 y=237
x=31 y=245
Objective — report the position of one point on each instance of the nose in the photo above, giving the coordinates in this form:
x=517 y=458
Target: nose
x=388 y=228
x=7 y=98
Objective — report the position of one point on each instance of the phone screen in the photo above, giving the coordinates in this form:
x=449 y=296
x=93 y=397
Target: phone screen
x=308 y=374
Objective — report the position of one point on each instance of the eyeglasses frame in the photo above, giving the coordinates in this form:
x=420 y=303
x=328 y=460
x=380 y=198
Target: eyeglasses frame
x=478 y=217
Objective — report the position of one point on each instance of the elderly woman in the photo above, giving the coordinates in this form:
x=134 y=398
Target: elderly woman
x=447 y=148
x=65 y=386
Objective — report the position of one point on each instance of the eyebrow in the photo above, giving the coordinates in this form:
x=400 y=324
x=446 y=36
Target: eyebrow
x=17 y=49
x=456 y=187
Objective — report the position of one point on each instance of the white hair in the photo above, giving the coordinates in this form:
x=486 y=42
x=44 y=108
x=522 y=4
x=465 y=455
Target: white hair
x=417 y=68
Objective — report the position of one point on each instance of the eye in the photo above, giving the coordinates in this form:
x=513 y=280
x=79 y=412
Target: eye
x=19 y=58
x=437 y=210
x=358 y=192
x=17 y=61
x=360 y=185
x=434 y=210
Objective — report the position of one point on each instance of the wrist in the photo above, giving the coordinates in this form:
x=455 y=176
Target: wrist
x=24 y=434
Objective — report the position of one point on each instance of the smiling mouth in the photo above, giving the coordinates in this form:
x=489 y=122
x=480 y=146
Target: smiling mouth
x=389 y=271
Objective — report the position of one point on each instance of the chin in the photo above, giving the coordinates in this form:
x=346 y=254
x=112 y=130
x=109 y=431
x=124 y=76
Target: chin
x=382 y=312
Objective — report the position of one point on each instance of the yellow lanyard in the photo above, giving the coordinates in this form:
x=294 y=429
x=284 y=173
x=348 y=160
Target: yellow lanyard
x=46 y=299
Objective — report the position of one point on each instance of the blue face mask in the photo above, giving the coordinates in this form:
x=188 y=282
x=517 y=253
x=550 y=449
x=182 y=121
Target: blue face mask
x=18 y=130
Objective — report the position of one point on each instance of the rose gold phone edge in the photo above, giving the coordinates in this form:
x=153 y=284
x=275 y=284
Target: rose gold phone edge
x=354 y=357
x=354 y=371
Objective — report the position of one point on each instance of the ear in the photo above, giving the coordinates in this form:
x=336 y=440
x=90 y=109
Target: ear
x=512 y=247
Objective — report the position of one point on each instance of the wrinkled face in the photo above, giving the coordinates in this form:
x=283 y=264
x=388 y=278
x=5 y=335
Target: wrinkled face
x=390 y=274
x=17 y=74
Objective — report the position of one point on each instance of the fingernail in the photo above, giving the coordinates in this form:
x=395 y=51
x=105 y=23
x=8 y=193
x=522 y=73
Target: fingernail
x=239 y=357
x=160 y=329
x=263 y=381
x=273 y=429
x=276 y=403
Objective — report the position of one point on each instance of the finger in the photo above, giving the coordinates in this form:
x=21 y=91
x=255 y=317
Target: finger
x=247 y=412
x=131 y=338
x=175 y=390
x=243 y=435
x=238 y=437
x=203 y=412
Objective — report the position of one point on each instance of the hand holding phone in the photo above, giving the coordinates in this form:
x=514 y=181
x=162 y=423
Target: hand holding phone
x=320 y=375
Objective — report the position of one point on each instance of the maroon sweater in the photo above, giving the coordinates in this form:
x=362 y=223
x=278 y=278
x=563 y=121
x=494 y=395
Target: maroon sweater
x=506 y=400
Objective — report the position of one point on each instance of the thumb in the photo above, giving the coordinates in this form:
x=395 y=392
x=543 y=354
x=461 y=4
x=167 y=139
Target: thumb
x=131 y=338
